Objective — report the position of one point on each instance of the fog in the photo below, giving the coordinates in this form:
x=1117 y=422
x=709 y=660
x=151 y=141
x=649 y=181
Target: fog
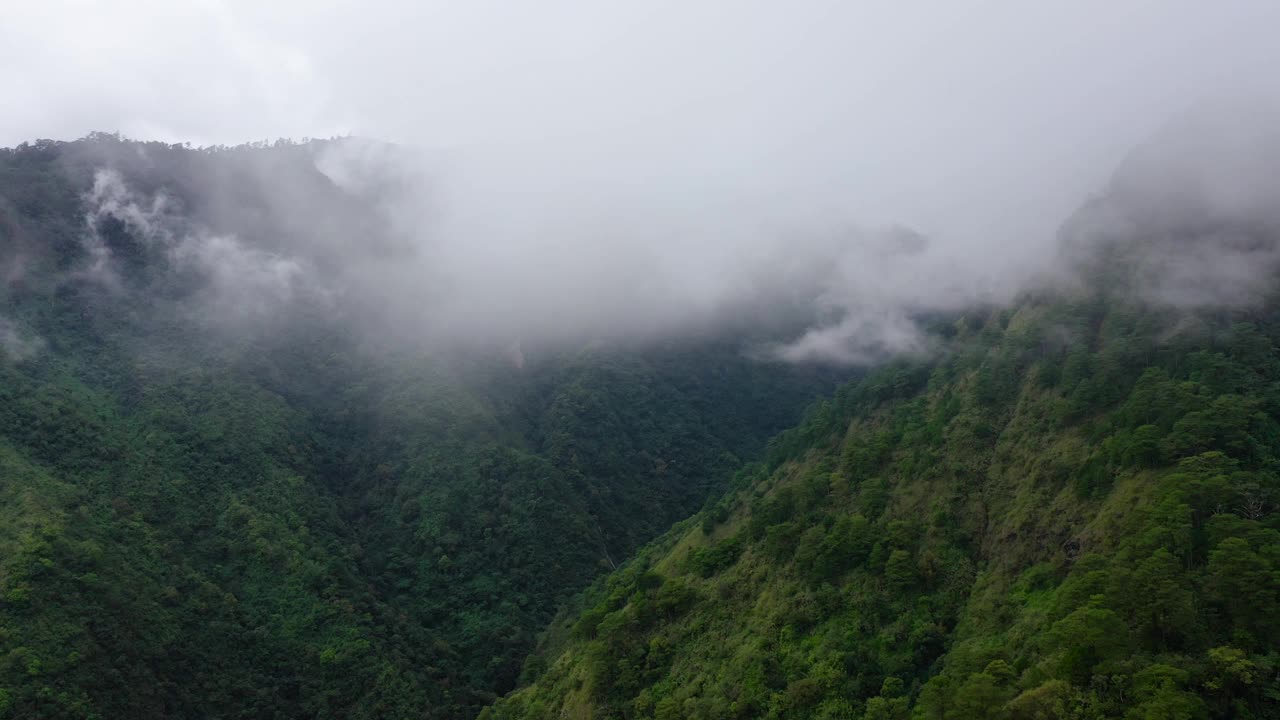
x=1193 y=213
x=16 y=343
x=654 y=167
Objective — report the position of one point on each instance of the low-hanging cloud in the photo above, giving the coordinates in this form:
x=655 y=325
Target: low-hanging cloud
x=469 y=249
x=495 y=249
x=1193 y=206
x=652 y=169
x=233 y=280
x=1192 y=215
x=17 y=343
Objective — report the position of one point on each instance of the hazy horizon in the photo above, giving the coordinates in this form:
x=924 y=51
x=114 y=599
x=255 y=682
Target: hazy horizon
x=637 y=167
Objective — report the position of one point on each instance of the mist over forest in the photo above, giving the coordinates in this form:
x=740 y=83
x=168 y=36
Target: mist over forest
x=721 y=361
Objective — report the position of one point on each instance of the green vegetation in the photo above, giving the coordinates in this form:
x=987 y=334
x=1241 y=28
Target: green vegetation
x=271 y=521
x=1071 y=515
x=1069 y=511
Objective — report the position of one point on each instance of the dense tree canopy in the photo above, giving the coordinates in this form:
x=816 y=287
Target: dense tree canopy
x=1024 y=529
x=219 y=502
x=266 y=517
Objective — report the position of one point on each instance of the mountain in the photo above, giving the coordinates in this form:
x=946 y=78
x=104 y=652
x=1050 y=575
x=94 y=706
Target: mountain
x=1069 y=512
x=254 y=464
x=233 y=487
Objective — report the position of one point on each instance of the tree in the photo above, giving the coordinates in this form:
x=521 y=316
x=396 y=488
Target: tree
x=1163 y=612
x=1244 y=584
x=1087 y=638
x=900 y=570
x=1159 y=688
x=1048 y=701
x=981 y=697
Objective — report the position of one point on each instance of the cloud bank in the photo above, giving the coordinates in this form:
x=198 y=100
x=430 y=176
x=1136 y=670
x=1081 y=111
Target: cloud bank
x=645 y=169
x=1192 y=216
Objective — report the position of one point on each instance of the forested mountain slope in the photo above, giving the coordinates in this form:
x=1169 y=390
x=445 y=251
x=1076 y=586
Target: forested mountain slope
x=1020 y=531
x=221 y=496
x=1072 y=512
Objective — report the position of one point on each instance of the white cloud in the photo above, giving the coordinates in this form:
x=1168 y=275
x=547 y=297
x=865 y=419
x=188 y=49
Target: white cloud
x=16 y=343
x=239 y=281
x=629 y=163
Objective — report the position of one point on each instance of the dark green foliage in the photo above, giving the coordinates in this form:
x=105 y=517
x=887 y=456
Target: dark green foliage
x=710 y=560
x=1039 y=531
x=269 y=521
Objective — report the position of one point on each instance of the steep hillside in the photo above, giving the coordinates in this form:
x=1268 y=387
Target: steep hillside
x=1073 y=511
x=1028 y=529
x=223 y=495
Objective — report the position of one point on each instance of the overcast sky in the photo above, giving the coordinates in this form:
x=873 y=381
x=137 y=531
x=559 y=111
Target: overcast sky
x=914 y=109
x=979 y=124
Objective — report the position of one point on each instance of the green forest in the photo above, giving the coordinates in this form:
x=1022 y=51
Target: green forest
x=279 y=522
x=1072 y=512
x=1068 y=509
x=1026 y=530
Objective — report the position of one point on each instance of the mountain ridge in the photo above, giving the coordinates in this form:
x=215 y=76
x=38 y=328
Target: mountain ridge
x=236 y=502
x=1069 y=512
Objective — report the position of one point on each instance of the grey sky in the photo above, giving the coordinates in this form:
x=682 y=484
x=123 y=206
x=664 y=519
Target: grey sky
x=908 y=97
x=979 y=124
